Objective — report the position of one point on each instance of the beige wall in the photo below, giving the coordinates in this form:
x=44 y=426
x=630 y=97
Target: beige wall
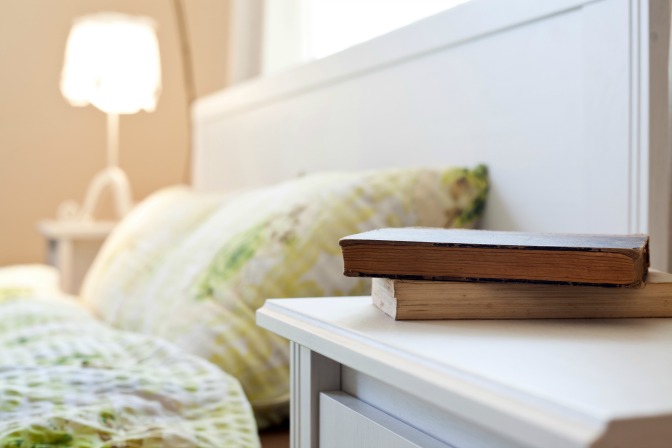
x=49 y=150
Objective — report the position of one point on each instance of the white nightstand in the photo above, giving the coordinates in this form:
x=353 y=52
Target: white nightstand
x=361 y=379
x=72 y=246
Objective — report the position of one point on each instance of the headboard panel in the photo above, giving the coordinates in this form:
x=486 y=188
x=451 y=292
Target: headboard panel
x=553 y=96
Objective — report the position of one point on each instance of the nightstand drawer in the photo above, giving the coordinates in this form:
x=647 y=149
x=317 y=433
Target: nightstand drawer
x=347 y=421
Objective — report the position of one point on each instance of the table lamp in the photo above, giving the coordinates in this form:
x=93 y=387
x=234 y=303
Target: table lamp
x=112 y=62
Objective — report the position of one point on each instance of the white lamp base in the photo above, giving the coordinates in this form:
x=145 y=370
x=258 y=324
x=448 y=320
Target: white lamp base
x=112 y=177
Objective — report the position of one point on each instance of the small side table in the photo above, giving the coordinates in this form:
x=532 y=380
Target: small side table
x=360 y=379
x=72 y=246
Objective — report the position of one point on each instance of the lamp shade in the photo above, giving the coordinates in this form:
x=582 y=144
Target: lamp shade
x=112 y=61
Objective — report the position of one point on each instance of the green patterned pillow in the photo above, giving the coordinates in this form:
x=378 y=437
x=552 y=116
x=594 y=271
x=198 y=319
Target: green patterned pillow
x=280 y=241
x=128 y=261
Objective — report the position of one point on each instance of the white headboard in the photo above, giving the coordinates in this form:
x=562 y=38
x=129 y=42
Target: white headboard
x=566 y=101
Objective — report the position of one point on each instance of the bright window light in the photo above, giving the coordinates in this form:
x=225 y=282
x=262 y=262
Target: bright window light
x=334 y=25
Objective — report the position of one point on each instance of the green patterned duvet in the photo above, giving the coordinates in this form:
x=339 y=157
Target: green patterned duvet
x=192 y=269
x=68 y=381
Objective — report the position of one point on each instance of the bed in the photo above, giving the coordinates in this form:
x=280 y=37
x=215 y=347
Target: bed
x=564 y=101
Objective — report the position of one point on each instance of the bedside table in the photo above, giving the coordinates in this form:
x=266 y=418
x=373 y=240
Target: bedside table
x=72 y=246
x=361 y=379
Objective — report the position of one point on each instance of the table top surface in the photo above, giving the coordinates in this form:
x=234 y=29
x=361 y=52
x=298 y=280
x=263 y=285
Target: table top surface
x=76 y=229
x=584 y=370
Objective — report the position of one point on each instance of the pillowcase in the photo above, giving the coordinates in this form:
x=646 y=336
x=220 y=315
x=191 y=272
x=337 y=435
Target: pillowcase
x=133 y=252
x=200 y=289
x=29 y=280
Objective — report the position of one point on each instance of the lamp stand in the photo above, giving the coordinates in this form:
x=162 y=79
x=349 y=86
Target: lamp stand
x=112 y=139
x=111 y=177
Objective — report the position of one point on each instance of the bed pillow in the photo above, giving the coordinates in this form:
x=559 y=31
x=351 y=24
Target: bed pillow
x=280 y=241
x=128 y=261
x=29 y=280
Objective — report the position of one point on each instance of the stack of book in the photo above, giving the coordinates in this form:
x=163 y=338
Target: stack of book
x=476 y=274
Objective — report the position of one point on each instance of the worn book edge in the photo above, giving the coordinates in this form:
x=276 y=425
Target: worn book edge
x=430 y=236
x=521 y=301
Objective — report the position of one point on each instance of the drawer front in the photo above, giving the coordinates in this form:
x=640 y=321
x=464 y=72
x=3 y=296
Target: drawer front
x=427 y=418
x=347 y=421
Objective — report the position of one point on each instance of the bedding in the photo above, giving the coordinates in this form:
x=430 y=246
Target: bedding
x=67 y=380
x=193 y=270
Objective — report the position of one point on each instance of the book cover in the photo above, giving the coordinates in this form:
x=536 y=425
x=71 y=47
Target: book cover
x=475 y=255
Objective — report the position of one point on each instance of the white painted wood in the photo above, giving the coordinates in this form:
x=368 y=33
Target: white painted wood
x=72 y=247
x=561 y=98
x=296 y=423
x=658 y=96
x=575 y=383
x=465 y=23
x=348 y=422
x=312 y=373
x=420 y=414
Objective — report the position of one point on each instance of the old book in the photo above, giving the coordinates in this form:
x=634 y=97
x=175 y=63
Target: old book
x=472 y=255
x=408 y=299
